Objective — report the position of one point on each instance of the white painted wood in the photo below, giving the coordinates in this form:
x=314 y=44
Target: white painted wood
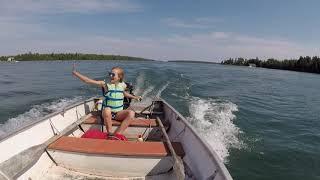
x=38 y=170
x=123 y=166
x=28 y=138
x=40 y=130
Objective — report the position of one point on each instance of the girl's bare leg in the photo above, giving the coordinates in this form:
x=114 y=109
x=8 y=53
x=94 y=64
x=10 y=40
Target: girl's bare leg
x=106 y=114
x=126 y=116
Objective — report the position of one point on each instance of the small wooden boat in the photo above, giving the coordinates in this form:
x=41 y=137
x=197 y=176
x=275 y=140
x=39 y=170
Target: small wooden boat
x=51 y=148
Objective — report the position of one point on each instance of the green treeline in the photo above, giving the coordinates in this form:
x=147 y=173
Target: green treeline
x=68 y=56
x=303 y=64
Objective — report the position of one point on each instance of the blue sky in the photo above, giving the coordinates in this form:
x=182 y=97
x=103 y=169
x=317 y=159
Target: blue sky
x=197 y=30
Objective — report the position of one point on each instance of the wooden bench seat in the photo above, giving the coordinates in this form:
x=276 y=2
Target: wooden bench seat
x=137 y=122
x=114 y=147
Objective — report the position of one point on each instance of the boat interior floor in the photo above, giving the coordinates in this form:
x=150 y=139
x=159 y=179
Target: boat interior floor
x=58 y=172
x=148 y=128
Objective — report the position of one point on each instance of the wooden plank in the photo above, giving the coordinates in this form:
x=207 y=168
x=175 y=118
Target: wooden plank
x=114 y=147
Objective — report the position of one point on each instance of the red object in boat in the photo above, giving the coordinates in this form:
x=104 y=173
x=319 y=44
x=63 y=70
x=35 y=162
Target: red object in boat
x=118 y=136
x=97 y=134
x=94 y=134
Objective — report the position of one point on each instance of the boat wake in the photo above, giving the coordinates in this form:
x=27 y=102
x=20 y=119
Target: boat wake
x=147 y=90
x=213 y=119
x=36 y=112
x=140 y=81
x=162 y=89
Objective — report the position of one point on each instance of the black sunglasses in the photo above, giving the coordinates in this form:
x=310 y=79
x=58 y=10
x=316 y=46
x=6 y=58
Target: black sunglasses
x=111 y=74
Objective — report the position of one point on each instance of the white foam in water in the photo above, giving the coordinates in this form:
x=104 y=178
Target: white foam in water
x=151 y=94
x=162 y=89
x=213 y=119
x=36 y=112
x=148 y=94
x=139 y=83
x=147 y=91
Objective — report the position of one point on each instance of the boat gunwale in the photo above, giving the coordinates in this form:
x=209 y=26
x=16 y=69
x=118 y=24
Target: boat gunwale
x=208 y=148
x=33 y=123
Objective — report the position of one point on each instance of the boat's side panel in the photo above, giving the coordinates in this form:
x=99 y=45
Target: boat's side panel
x=28 y=138
x=69 y=117
x=38 y=170
x=41 y=131
x=200 y=158
x=108 y=165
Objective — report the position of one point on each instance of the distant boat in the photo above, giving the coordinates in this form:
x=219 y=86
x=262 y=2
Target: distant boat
x=252 y=65
x=51 y=148
x=11 y=59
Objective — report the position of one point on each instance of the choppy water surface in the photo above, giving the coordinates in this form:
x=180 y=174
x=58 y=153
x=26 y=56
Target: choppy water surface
x=264 y=124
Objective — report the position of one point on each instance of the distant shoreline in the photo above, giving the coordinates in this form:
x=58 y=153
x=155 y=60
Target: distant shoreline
x=69 y=57
x=302 y=64
x=186 y=61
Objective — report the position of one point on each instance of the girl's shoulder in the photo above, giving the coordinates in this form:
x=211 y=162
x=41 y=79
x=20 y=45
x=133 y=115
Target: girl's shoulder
x=122 y=85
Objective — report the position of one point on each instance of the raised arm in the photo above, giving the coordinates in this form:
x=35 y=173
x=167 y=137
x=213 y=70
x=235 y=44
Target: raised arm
x=87 y=79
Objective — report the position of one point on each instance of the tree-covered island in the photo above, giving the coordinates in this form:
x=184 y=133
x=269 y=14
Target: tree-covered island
x=68 y=56
x=303 y=64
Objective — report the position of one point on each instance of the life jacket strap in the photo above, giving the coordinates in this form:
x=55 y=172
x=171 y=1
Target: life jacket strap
x=115 y=91
x=114 y=107
x=114 y=99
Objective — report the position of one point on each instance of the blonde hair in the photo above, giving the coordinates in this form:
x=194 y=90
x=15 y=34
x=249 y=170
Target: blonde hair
x=120 y=72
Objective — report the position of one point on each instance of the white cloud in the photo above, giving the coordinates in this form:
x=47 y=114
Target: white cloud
x=219 y=45
x=196 y=23
x=21 y=32
x=213 y=46
x=20 y=20
x=220 y=35
x=25 y=7
x=208 y=20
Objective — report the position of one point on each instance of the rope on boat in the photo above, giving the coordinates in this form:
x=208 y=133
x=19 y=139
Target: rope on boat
x=147 y=129
x=53 y=127
x=177 y=166
x=50 y=157
x=150 y=108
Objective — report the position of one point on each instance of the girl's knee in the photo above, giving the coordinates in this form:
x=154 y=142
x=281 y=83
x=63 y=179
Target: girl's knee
x=106 y=112
x=131 y=113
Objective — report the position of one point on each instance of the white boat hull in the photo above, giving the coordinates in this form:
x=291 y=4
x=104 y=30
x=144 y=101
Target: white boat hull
x=200 y=161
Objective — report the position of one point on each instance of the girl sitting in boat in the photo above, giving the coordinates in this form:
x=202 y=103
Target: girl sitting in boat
x=113 y=103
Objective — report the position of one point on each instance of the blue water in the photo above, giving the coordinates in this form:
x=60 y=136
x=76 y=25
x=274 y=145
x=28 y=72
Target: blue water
x=264 y=124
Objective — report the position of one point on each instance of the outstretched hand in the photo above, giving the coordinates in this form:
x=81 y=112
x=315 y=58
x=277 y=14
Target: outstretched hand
x=74 y=68
x=139 y=98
